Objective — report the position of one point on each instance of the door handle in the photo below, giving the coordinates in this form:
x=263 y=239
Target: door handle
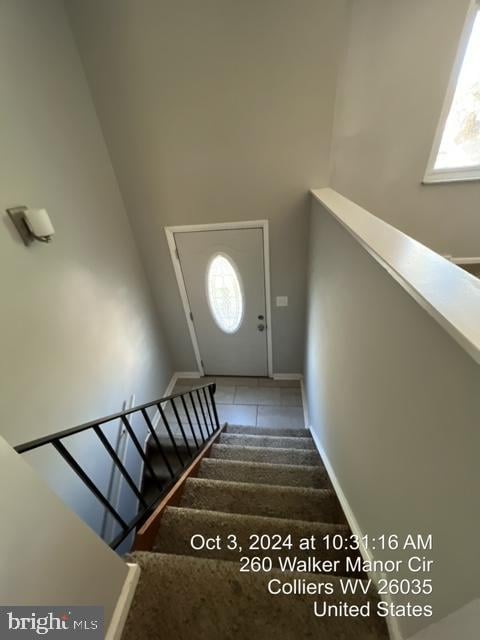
x=261 y=327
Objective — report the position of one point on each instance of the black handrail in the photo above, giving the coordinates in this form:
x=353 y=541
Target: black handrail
x=190 y=448
x=39 y=442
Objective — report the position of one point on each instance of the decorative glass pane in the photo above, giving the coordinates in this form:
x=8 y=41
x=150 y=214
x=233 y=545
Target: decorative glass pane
x=224 y=294
x=460 y=146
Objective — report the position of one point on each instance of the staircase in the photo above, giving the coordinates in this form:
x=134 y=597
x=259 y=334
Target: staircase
x=255 y=481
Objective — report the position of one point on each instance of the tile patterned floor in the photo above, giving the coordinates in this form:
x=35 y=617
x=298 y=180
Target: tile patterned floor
x=254 y=401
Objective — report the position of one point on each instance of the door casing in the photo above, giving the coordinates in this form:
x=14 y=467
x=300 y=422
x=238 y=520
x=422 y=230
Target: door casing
x=250 y=224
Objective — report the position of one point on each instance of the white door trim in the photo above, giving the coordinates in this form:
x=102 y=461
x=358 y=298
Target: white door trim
x=250 y=224
x=124 y=602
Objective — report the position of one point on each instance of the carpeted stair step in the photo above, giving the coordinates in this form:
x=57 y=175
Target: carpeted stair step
x=296 y=503
x=268 y=431
x=183 y=598
x=288 y=475
x=277 y=442
x=266 y=454
x=179 y=525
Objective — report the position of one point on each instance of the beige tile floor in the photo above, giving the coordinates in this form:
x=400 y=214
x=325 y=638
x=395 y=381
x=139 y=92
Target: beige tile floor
x=259 y=402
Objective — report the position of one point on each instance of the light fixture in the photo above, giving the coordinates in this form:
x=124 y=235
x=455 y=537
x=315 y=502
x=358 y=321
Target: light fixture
x=32 y=224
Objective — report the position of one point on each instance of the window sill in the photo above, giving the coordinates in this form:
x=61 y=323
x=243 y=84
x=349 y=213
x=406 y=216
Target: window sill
x=447 y=178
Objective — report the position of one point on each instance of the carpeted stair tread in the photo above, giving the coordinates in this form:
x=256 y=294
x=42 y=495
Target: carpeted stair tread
x=183 y=598
x=266 y=454
x=291 y=475
x=179 y=524
x=277 y=442
x=268 y=431
x=296 y=503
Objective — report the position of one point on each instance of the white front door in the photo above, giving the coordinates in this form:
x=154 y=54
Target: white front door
x=224 y=278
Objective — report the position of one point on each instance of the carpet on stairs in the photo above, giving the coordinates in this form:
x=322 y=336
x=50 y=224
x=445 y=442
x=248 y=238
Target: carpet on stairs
x=257 y=499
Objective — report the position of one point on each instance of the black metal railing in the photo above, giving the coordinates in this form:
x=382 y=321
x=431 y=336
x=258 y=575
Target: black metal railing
x=187 y=421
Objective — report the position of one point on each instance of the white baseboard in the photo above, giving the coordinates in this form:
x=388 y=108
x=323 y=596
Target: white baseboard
x=351 y=519
x=167 y=392
x=461 y=624
x=306 y=419
x=171 y=384
x=287 y=376
x=187 y=374
x=392 y=623
x=155 y=420
x=120 y=613
x=296 y=376
x=459 y=261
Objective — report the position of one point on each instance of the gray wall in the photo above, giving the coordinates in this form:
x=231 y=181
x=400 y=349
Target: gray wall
x=394 y=402
x=216 y=111
x=396 y=71
x=93 y=458
x=461 y=624
x=79 y=329
x=49 y=557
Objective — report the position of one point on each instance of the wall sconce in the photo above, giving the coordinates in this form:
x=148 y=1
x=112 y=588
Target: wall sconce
x=32 y=224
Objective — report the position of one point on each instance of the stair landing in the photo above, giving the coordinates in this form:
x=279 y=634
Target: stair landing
x=261 y=402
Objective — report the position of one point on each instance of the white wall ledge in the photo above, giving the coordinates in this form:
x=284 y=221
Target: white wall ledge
x=447 y=292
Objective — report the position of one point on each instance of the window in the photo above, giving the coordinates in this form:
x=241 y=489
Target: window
x=456 y=150
x=224 y=293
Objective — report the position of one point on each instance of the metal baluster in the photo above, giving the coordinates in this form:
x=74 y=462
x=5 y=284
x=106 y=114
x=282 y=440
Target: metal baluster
x=157 y=441
x=189 y=421
x=167 y=427
x=208 y=409
x=211 y=389
x=101 y=436
x=181 y=427
x=70 y=460
x=196 y=415
x=140 y=450
x=203 y=412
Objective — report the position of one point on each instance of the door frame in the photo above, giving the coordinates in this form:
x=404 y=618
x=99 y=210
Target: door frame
x=219 y=226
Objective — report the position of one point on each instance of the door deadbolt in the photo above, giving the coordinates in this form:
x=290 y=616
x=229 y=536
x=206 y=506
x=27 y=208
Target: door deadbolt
x=261 y=327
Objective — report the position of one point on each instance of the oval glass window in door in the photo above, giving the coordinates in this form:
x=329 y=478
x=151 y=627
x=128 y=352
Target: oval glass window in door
x=224 y=293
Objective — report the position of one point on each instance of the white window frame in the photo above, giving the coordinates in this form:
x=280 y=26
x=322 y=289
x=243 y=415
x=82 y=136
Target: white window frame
x=238 y=276
x=460 y=174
